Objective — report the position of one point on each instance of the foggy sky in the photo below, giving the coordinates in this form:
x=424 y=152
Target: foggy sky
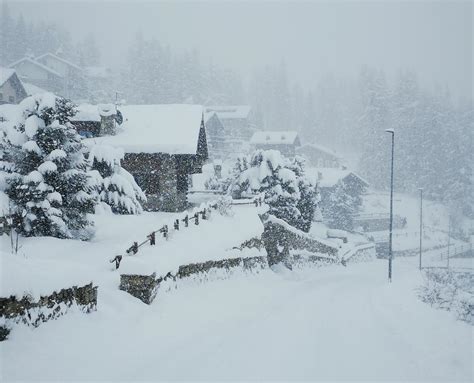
x=313 y=38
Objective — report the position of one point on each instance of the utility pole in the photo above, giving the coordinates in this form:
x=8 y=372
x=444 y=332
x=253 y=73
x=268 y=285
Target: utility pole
x=390 y=253
x=421 y=222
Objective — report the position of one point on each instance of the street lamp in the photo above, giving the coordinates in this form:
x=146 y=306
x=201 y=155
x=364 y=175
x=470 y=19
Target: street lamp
x=390 y=254
x=421 y=221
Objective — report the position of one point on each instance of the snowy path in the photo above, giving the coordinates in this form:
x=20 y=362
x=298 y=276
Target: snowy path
x=329 y=323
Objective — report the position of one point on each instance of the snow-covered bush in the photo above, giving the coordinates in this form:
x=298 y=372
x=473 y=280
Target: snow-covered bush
x=111 y=183
x=288 y=193
x=234 y=185
x=44 y=170
x=224 y=206
x=449 y=290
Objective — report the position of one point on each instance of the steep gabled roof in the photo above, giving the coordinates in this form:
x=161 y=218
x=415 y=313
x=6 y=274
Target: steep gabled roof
x=34 y=62
x=67 y=62
x=230 y=111
x=5 y=74
x=275 y=138
x=329 y=177
x=172 y=129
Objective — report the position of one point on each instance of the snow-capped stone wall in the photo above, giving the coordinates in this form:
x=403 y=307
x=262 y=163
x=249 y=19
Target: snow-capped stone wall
x=31 y=313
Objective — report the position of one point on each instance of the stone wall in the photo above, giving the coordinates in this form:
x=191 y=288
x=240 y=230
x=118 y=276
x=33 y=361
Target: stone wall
x=279 y=238
x=145 y=287
x=31 y=313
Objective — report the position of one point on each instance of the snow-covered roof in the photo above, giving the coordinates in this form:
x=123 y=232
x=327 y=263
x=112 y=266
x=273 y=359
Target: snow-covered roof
x=172 y=129
x=33 y=89
x=38 y=64
x=329 y=177
x=67 y=62
x=230 y=111
x=274 y=138
x=5 y=74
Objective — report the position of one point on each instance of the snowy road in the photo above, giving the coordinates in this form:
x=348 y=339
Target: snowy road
x=325 y=324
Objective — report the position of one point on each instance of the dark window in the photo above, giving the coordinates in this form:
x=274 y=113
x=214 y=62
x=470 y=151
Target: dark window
x=11 y=99
x=1 y=96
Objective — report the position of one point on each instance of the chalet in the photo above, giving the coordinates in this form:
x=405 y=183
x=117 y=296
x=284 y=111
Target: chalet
x=215 y=136
x=33 y=72
x=73 y=75
x=238 y=128
x=53 y=74
x=328 y=178
x=284 y=141
x=11 y=88
x=319 y=156
x=163 y=145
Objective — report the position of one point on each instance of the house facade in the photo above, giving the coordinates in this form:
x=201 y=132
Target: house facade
x=238 y=128
x=285 y=141
x=215 y=132
x=11 y=88
x=163 y=145
x=33 y=72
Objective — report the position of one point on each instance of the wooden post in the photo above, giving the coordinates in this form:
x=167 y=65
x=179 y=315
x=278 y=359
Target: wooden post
x=152 y=238
x=196 y=219
x=176 y=224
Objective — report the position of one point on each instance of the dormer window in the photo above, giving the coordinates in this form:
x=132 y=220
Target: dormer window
x=283 y=137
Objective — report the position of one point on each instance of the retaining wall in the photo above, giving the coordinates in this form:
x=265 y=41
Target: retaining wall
x=31 y=313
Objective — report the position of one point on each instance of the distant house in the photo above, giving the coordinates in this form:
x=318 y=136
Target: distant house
x=52 y=73
x=73 y=75
x=11 y=88
x=284 y=141
x=327 y=179
x=319 y=156
x=215 y=132
x=33 y=72
x=237 y=126
x=163 y=145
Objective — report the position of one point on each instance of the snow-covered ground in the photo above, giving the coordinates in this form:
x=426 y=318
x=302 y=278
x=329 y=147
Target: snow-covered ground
x=331 y=323
x=45 y=264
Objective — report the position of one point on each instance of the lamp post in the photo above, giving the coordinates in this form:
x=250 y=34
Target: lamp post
x=390 y=254
x=421 y=222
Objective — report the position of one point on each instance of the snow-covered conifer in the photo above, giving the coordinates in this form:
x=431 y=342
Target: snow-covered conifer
x=112 y=183
x=47 y=179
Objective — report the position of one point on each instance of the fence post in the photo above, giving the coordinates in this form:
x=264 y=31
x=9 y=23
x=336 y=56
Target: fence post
x=152 y=238
x=176 y=224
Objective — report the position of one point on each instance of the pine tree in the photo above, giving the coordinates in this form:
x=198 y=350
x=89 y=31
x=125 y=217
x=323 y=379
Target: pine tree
x=112 y=183
x=48 y=181
x=309 y=197
x=339 y=210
